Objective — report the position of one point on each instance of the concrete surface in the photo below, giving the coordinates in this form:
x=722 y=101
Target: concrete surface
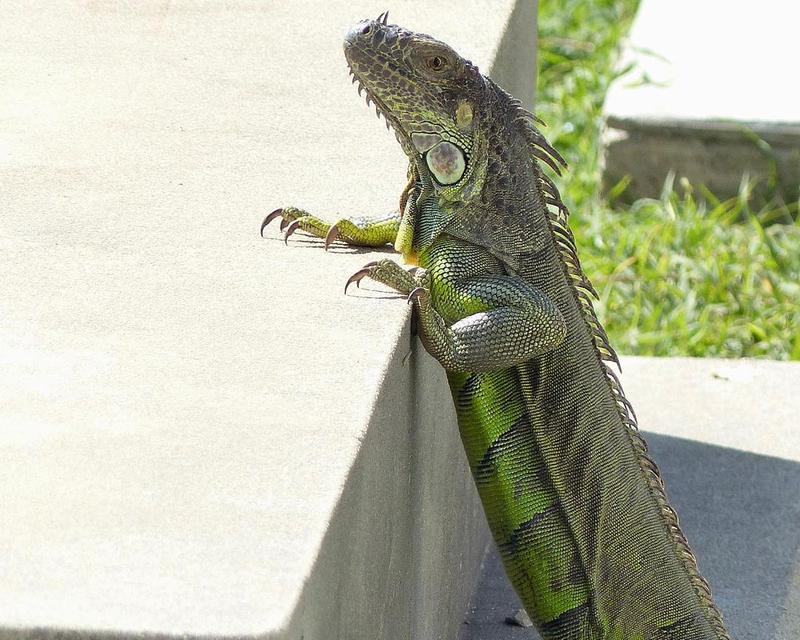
x=709 y=80
x=725 y=435
x=199 y=434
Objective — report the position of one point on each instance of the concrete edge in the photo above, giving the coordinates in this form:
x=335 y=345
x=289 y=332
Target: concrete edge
x=716 y=154
x=783 y=134
x=404 y=545
x=515 y=64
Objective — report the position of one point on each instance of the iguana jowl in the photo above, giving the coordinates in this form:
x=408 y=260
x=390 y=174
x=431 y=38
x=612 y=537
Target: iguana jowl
x=575 y=504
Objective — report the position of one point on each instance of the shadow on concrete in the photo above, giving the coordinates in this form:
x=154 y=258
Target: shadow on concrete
x=403 y=548
x=741 y=514
x=364 y=574
x=405 y=541
x=302 y=240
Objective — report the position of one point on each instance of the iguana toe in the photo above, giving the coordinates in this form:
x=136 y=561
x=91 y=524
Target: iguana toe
x=275 y=214
x=417 y=292
x=332 y=234
x=290 y=229
x=359 y=275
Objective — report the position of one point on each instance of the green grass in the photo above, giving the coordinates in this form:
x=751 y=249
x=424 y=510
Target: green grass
x=684 y=274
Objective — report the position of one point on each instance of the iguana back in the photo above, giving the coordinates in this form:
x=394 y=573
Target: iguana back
x=575 y=504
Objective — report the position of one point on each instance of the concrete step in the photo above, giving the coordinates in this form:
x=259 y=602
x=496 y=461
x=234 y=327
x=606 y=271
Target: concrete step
x=713 y=96
x=725 y=435
x=200 y=436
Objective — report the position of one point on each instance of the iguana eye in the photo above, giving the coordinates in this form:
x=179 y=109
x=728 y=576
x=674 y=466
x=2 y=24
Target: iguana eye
x=436 y=63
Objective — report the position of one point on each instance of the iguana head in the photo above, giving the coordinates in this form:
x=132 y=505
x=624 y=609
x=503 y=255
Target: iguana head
x=470 y=143
x=427 y=92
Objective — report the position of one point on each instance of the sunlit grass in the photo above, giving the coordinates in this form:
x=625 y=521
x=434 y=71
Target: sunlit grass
x=684 y=274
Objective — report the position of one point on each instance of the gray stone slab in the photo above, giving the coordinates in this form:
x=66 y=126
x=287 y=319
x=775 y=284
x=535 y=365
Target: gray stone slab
x=738 y=507
x=199 y=434
x=713 y=96
x=745 y=404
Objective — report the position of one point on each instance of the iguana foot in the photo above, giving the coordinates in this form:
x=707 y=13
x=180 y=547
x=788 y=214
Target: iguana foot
x=351 y=233
x=387 y=272
x=359 y=275
x=293 y=219
x=365 y=232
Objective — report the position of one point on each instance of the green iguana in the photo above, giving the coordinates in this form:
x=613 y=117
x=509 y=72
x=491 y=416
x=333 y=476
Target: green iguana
x=575 y=504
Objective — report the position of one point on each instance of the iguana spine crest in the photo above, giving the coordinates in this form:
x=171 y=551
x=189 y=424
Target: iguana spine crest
x=557 y=216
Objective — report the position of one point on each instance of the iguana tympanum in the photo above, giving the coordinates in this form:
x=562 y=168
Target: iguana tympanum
x=575 y=504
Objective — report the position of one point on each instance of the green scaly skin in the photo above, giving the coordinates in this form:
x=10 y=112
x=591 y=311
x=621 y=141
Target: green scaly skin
x=575 y=504
x=365 y=232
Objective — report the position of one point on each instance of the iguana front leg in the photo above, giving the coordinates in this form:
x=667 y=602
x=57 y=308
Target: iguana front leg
x=386 y=272
x=472 y=316
x=361 y=230
x=518 y=323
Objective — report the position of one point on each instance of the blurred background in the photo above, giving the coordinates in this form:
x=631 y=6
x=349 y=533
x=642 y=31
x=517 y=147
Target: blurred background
x=683 y=172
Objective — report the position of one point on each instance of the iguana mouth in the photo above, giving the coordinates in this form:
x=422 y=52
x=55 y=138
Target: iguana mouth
x=361 y=54
x=381 y=109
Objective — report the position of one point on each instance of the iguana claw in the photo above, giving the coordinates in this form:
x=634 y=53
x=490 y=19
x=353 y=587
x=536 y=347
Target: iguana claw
x=290 y=229
x=416 y=293
x=270 y=218
x=332 y=234
x=359 y=275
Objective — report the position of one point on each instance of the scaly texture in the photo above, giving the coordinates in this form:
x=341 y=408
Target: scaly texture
x=575 y=504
